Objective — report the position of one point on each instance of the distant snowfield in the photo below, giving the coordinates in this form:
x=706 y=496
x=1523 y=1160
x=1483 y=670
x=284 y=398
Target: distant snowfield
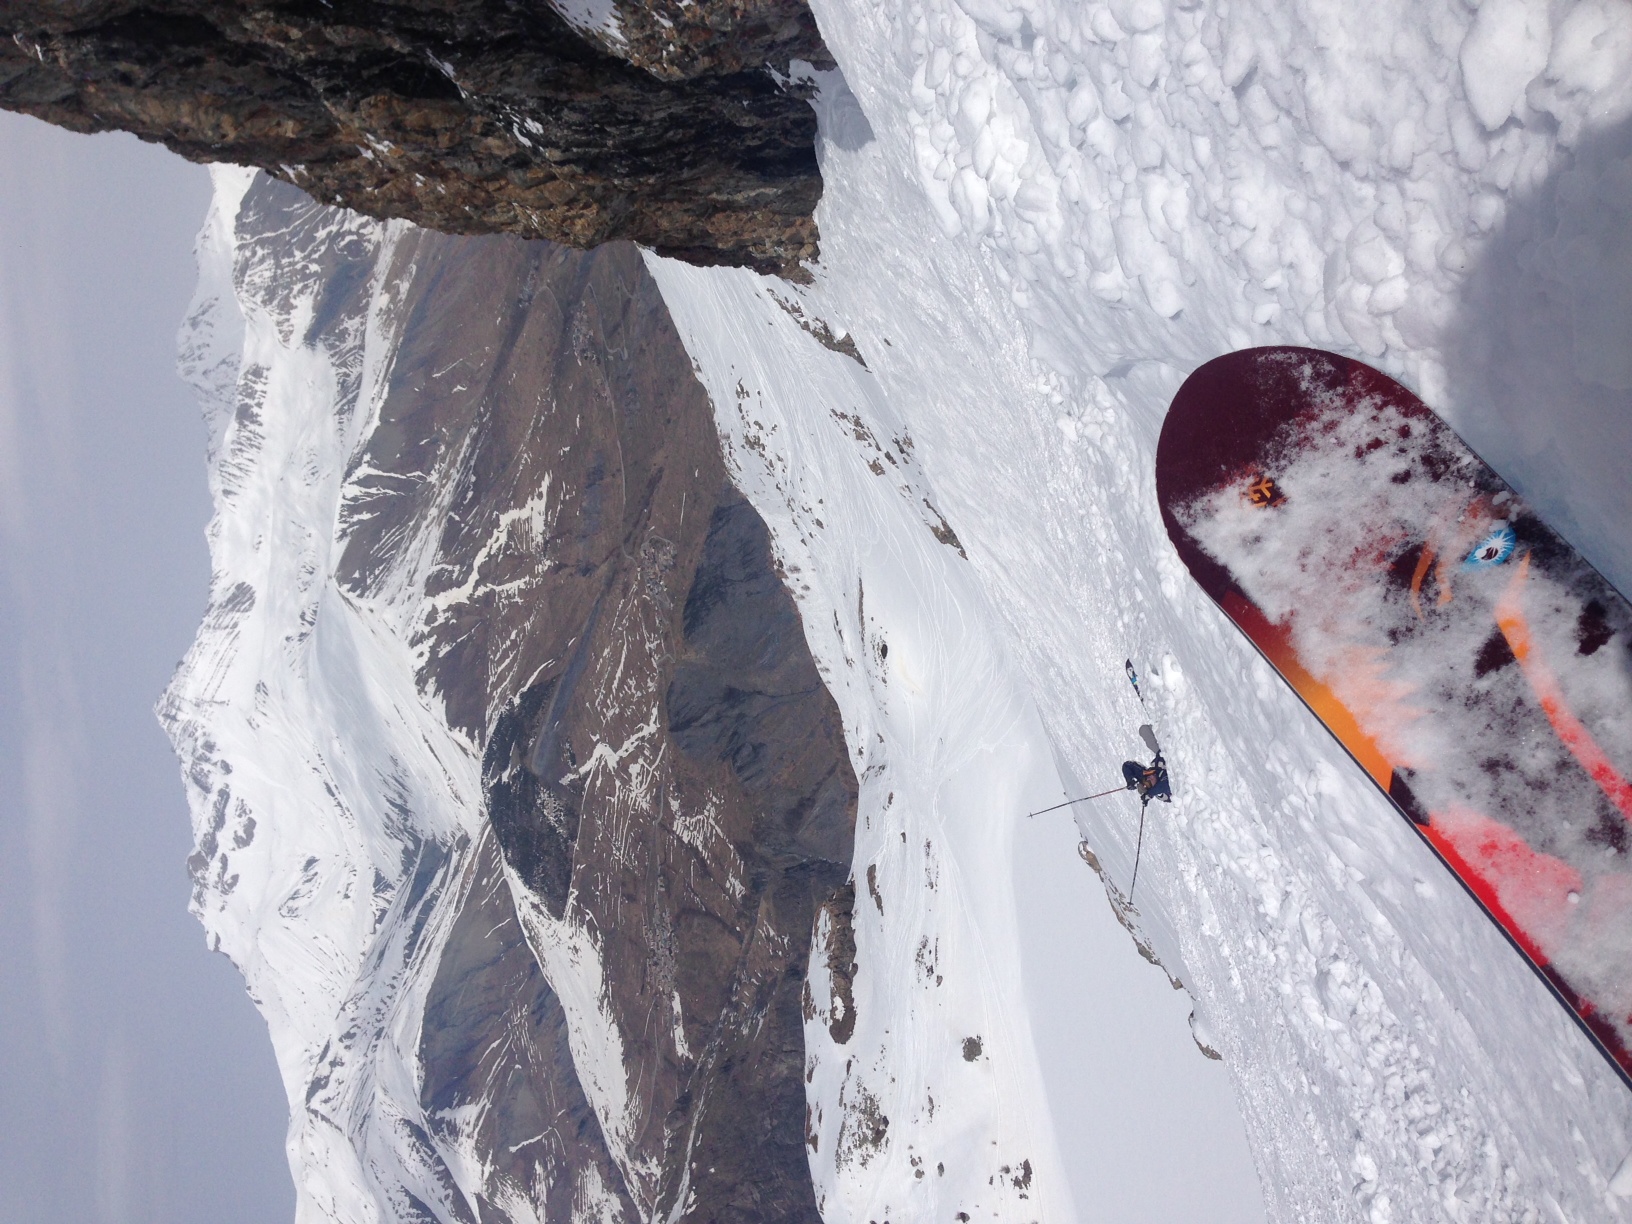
x=1049 y=214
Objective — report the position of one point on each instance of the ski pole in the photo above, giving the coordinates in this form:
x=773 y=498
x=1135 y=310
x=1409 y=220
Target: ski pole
x=1138 y=847
x=1069 y=802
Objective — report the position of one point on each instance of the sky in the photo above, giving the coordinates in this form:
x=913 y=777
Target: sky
x=137 y=1082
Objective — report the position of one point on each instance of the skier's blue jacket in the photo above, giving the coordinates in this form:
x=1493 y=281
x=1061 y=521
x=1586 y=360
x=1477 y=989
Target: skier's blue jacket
x=1149 y=780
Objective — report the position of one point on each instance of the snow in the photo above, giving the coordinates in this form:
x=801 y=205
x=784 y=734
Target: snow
x=597 y=18
x=1506 y=50
x=1038 y=216
x=1062 y=209
x=332 y=806
x=950 y=751
x=1150 y=1130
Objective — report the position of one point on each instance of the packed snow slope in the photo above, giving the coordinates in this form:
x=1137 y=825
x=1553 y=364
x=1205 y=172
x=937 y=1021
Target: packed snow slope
x=1039 y=216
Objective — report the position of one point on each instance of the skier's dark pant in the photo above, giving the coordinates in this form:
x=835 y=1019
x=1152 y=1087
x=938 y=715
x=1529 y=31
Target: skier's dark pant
x=1149 y=780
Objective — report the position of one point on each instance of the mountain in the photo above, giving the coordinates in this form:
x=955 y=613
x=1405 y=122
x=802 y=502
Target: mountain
x=573 y=880
x=520 y=797
x=518 y=793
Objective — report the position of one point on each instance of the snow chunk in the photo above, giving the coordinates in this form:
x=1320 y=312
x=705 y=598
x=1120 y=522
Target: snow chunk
x=1502 y=54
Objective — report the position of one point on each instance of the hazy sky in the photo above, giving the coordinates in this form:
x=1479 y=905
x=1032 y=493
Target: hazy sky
x=136 y=1079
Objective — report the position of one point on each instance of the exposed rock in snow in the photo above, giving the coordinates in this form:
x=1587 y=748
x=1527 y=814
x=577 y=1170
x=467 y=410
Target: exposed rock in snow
x=516 y=791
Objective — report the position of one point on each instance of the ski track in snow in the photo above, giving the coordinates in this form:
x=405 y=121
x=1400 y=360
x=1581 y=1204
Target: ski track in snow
x=1049 y=215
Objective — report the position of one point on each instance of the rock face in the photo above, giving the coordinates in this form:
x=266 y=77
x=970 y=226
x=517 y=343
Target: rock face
x=661 y=764
x=574 y=987
x=648 y=120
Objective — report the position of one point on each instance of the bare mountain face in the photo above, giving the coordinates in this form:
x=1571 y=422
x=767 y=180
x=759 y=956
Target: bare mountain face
x=661 y=762
x=658 y=121
x=606 y=968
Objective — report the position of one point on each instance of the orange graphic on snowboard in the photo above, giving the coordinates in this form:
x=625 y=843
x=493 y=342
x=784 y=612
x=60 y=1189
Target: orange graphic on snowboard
x=1467 y=658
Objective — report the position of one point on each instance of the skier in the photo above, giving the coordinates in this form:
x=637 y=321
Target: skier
x=1151 y=783
x=1149 y=780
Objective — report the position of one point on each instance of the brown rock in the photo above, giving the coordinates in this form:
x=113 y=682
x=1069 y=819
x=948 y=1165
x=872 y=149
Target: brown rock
x=680 y=39
x=465 y=116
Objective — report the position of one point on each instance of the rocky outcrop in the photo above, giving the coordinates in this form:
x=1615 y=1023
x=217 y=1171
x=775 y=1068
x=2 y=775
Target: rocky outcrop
x=663 y=771
x=649 y=120
x=679 y=40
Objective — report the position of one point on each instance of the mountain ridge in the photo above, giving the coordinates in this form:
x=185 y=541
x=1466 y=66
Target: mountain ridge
x=516 y=792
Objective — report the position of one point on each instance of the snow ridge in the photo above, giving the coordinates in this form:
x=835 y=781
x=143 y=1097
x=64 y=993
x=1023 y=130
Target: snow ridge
x=324 y=860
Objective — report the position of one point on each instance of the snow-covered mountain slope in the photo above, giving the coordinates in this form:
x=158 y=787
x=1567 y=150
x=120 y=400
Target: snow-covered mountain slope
x=951 y=752
x=467 y=748
x=524 y=809
x=324 y=858
x=517 y=793
x=1038 y=219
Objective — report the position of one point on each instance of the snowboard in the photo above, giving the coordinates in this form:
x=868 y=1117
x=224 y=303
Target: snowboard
x=1469 y=660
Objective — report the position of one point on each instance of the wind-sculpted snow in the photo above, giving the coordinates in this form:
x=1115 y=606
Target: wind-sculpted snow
x=1061 y=210
x=1308 y=172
